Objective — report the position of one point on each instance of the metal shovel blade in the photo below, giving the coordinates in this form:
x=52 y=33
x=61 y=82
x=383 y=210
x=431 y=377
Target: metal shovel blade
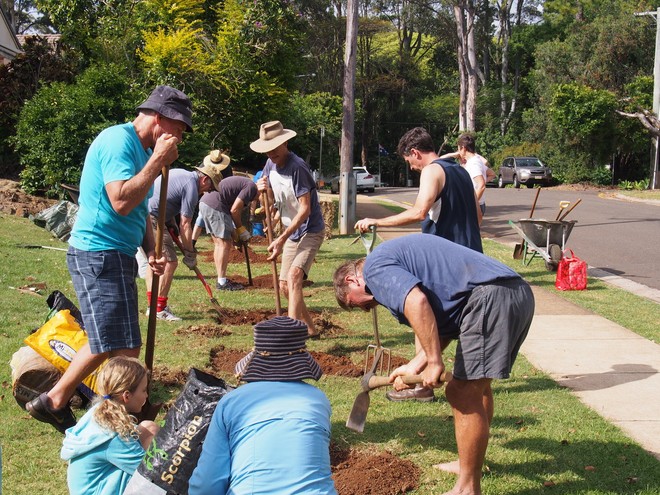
x=518 y=251
x=358 y=417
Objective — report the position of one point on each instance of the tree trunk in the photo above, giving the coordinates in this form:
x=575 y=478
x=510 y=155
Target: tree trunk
x=464 y=14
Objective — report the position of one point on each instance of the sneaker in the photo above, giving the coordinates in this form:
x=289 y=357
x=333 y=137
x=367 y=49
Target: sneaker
x=229 y=285
x=40 y=409
x=419 y=394
x=167 y=315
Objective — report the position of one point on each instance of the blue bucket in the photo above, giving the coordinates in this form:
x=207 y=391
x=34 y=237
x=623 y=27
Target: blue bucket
x=258 y=229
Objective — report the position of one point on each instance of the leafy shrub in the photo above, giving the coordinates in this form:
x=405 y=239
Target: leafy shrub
x=58 y=124
x=639 y=185
x=601 y=176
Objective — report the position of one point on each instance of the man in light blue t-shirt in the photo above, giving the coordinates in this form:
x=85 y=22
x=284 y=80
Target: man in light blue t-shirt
x=112 y=222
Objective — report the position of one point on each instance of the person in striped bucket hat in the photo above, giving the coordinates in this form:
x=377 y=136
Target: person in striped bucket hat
x=275 y=407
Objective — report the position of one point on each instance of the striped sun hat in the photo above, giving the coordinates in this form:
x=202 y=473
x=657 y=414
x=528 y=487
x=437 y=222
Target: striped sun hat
x=279 y=353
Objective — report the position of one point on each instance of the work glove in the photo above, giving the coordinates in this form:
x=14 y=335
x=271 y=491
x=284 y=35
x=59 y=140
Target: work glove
x=243 y=234
x=236 y=240
x=190 y=259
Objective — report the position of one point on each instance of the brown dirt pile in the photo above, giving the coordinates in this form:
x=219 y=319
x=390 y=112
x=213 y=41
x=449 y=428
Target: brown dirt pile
x=16 y=202
x=360 y=473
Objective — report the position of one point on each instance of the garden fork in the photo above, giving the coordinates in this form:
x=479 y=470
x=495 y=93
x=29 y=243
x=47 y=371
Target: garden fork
x=377 y=358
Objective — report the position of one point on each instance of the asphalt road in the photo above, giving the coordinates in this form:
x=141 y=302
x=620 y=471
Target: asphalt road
x=617 y=236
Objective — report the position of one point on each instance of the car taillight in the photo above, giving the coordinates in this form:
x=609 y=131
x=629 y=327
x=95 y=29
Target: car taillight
x=368 y=176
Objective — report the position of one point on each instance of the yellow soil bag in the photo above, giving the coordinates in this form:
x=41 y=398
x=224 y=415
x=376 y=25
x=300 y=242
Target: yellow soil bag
x=58 y=340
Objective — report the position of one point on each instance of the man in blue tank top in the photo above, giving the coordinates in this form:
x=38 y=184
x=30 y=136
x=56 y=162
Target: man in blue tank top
x=446 y=205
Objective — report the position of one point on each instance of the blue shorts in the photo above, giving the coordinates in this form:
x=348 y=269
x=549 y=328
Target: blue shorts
x=107 y=293
x=494 y=324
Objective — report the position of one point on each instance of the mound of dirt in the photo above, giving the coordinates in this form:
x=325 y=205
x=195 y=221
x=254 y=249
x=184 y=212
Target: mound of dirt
x=224 y=360
x=252 y=317
x=203 y=330
x=238 y=256
x=359 y=473
x=170 y=377
x=14 y=201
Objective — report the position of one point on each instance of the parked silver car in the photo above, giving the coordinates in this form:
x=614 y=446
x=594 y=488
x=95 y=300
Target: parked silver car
x=527 y=170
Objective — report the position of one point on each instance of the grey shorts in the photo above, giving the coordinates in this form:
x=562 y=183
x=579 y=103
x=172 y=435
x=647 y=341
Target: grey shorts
x=107 y=293
x=494 y=324
x=218 y=223
x=300 y=253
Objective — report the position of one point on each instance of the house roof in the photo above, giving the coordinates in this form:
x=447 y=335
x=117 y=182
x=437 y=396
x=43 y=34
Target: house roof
x=9 y=45
x=51 y=39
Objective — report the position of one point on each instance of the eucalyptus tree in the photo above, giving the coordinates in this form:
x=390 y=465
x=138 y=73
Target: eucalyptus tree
x=24 y=17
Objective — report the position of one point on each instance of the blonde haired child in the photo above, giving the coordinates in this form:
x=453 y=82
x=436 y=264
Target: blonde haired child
x=107 y=445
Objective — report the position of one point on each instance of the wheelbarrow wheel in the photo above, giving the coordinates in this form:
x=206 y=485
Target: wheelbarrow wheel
x=555 y=256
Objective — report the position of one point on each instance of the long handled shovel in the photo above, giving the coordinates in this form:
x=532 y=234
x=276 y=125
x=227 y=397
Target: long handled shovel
x=214 y=301
x=562 y=206
x=265 y=201
x=247 y=262
x=561 y=218
x=149 y=410
x=518 y=248
x=370 y=381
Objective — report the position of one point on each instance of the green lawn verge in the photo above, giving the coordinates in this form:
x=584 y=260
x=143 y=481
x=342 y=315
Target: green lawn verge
x=541 y=433
x=635 y=313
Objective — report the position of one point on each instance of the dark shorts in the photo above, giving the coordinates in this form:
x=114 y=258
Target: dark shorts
x=107 y=293
x=494 y=324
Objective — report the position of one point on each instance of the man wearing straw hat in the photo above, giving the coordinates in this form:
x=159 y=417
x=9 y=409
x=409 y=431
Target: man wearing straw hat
x=113 y=220
x=272 y=434
x=221 y=213
x=296 y=199
x=184 y=189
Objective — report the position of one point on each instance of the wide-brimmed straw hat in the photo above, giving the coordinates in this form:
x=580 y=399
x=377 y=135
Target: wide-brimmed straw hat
x=217 y=158
x=170 y=103
x=271 y=135
x=279 y=353
x=213 y=172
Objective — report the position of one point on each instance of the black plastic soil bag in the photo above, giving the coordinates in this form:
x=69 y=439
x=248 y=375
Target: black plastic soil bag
x=174 y=452
x=57 y=301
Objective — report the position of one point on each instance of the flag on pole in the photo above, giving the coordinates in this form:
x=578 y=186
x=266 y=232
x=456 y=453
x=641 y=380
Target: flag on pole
x=382 y=151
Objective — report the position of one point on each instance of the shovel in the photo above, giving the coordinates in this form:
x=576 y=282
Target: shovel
x=561 y=218
x=358 y=417
x=562 y=206
x=518 y=248
x=150 y=411
x=265 y=201
x=247 y=262
x=214 y=301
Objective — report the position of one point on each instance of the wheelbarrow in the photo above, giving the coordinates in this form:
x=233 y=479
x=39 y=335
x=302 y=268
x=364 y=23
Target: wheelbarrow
x=545 y=238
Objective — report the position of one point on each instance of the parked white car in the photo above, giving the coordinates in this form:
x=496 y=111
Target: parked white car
x=364 y=181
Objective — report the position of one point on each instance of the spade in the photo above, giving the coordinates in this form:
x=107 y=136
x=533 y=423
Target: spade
x=370 y=381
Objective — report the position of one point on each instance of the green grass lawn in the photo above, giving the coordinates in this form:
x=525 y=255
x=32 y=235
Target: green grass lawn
x=541 y=434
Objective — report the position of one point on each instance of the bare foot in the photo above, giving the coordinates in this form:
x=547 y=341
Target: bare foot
x=448 y=467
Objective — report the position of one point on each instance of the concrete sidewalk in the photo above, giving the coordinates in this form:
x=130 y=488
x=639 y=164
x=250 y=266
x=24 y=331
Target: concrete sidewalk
x=612 y=370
